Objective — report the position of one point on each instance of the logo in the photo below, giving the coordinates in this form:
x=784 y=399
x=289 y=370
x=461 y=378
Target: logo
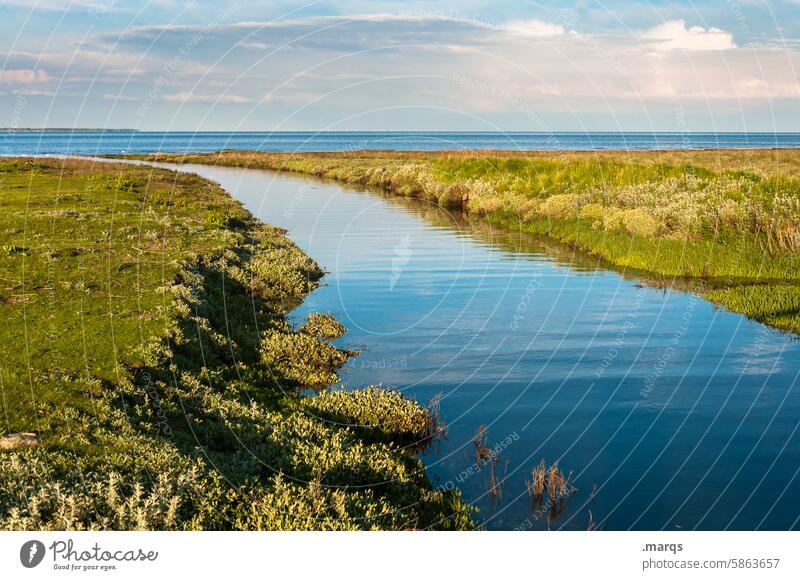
x=402 y=254
x=31 y=553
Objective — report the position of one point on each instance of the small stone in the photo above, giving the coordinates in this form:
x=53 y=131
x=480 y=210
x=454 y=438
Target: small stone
x=16 y=440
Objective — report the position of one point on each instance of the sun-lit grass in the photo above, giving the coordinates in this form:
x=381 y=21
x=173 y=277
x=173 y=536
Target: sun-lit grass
x=775 y=305
x=145 y=343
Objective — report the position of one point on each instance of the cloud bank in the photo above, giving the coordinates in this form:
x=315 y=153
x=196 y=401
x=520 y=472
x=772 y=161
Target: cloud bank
x=371 y=69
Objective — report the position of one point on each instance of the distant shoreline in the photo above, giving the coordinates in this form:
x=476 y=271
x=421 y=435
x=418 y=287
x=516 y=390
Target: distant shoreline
x=63 y=130
x=385 y=132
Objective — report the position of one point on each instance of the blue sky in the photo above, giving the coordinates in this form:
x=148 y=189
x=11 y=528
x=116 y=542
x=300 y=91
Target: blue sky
x=537 y=66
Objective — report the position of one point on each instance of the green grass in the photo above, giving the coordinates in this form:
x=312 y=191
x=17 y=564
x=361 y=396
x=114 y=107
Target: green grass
x=728 y=217
x=775 y=305
x=146 y=343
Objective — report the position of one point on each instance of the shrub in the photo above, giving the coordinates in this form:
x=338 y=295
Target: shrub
x=378 y=414
x=36 y=496
x=594 y=213
x=301 y=359
x=323 y=327
x=561 y=206
x=640 y=222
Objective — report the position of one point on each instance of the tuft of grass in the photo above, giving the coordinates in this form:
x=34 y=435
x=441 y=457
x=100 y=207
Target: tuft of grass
x=558 y=485
x=538 y=482
x=485 y=455
x=549 y=482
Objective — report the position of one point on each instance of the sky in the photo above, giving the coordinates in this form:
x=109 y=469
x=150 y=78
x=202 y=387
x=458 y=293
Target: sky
x=350 y=65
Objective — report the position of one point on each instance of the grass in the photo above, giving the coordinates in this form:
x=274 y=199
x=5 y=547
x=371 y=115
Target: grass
x=549 y=489
x=145 y=345
x=728 y=217
x=486 y=456
x=774 y=305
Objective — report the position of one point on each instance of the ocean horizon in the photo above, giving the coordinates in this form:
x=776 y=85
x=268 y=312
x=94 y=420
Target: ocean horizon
x=120 y=141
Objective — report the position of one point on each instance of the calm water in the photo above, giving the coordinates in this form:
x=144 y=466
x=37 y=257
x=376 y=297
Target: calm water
x=104 y=143
x=669 y=413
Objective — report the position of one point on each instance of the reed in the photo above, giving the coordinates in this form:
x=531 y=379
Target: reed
x=483 y=452
x=438 y=427
x=536 y=485
x=486 y=456
x=591 y=526
x=549 y=482
x=558 y=486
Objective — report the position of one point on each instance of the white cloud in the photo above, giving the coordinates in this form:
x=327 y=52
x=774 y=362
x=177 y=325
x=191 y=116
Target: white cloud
x=120 y=98
x=23 y=76
x=674 y=34
x=534 y=28
x=189 y=97
x=254 y=45
x=568 y=70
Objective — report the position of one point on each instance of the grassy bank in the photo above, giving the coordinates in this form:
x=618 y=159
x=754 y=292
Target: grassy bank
x=150 y=379
x=729 y=217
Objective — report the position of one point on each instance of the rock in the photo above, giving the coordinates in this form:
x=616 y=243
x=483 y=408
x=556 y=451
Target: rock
x=16 y=440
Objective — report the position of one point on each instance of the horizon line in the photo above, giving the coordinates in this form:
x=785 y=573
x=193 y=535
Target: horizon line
x=397 y=131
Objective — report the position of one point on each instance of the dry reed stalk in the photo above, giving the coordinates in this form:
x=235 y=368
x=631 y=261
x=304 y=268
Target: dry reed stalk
x=482 y=451
x=438 y=428
x=537 y=483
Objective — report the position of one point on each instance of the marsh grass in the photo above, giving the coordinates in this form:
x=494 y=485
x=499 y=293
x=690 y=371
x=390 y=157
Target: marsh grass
x=549 y=489
x=146 y=344
x=537 y=484
x=775 y=304
x=558 y=485
x=437 y=426
x=717 y=215
x=486 y=456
